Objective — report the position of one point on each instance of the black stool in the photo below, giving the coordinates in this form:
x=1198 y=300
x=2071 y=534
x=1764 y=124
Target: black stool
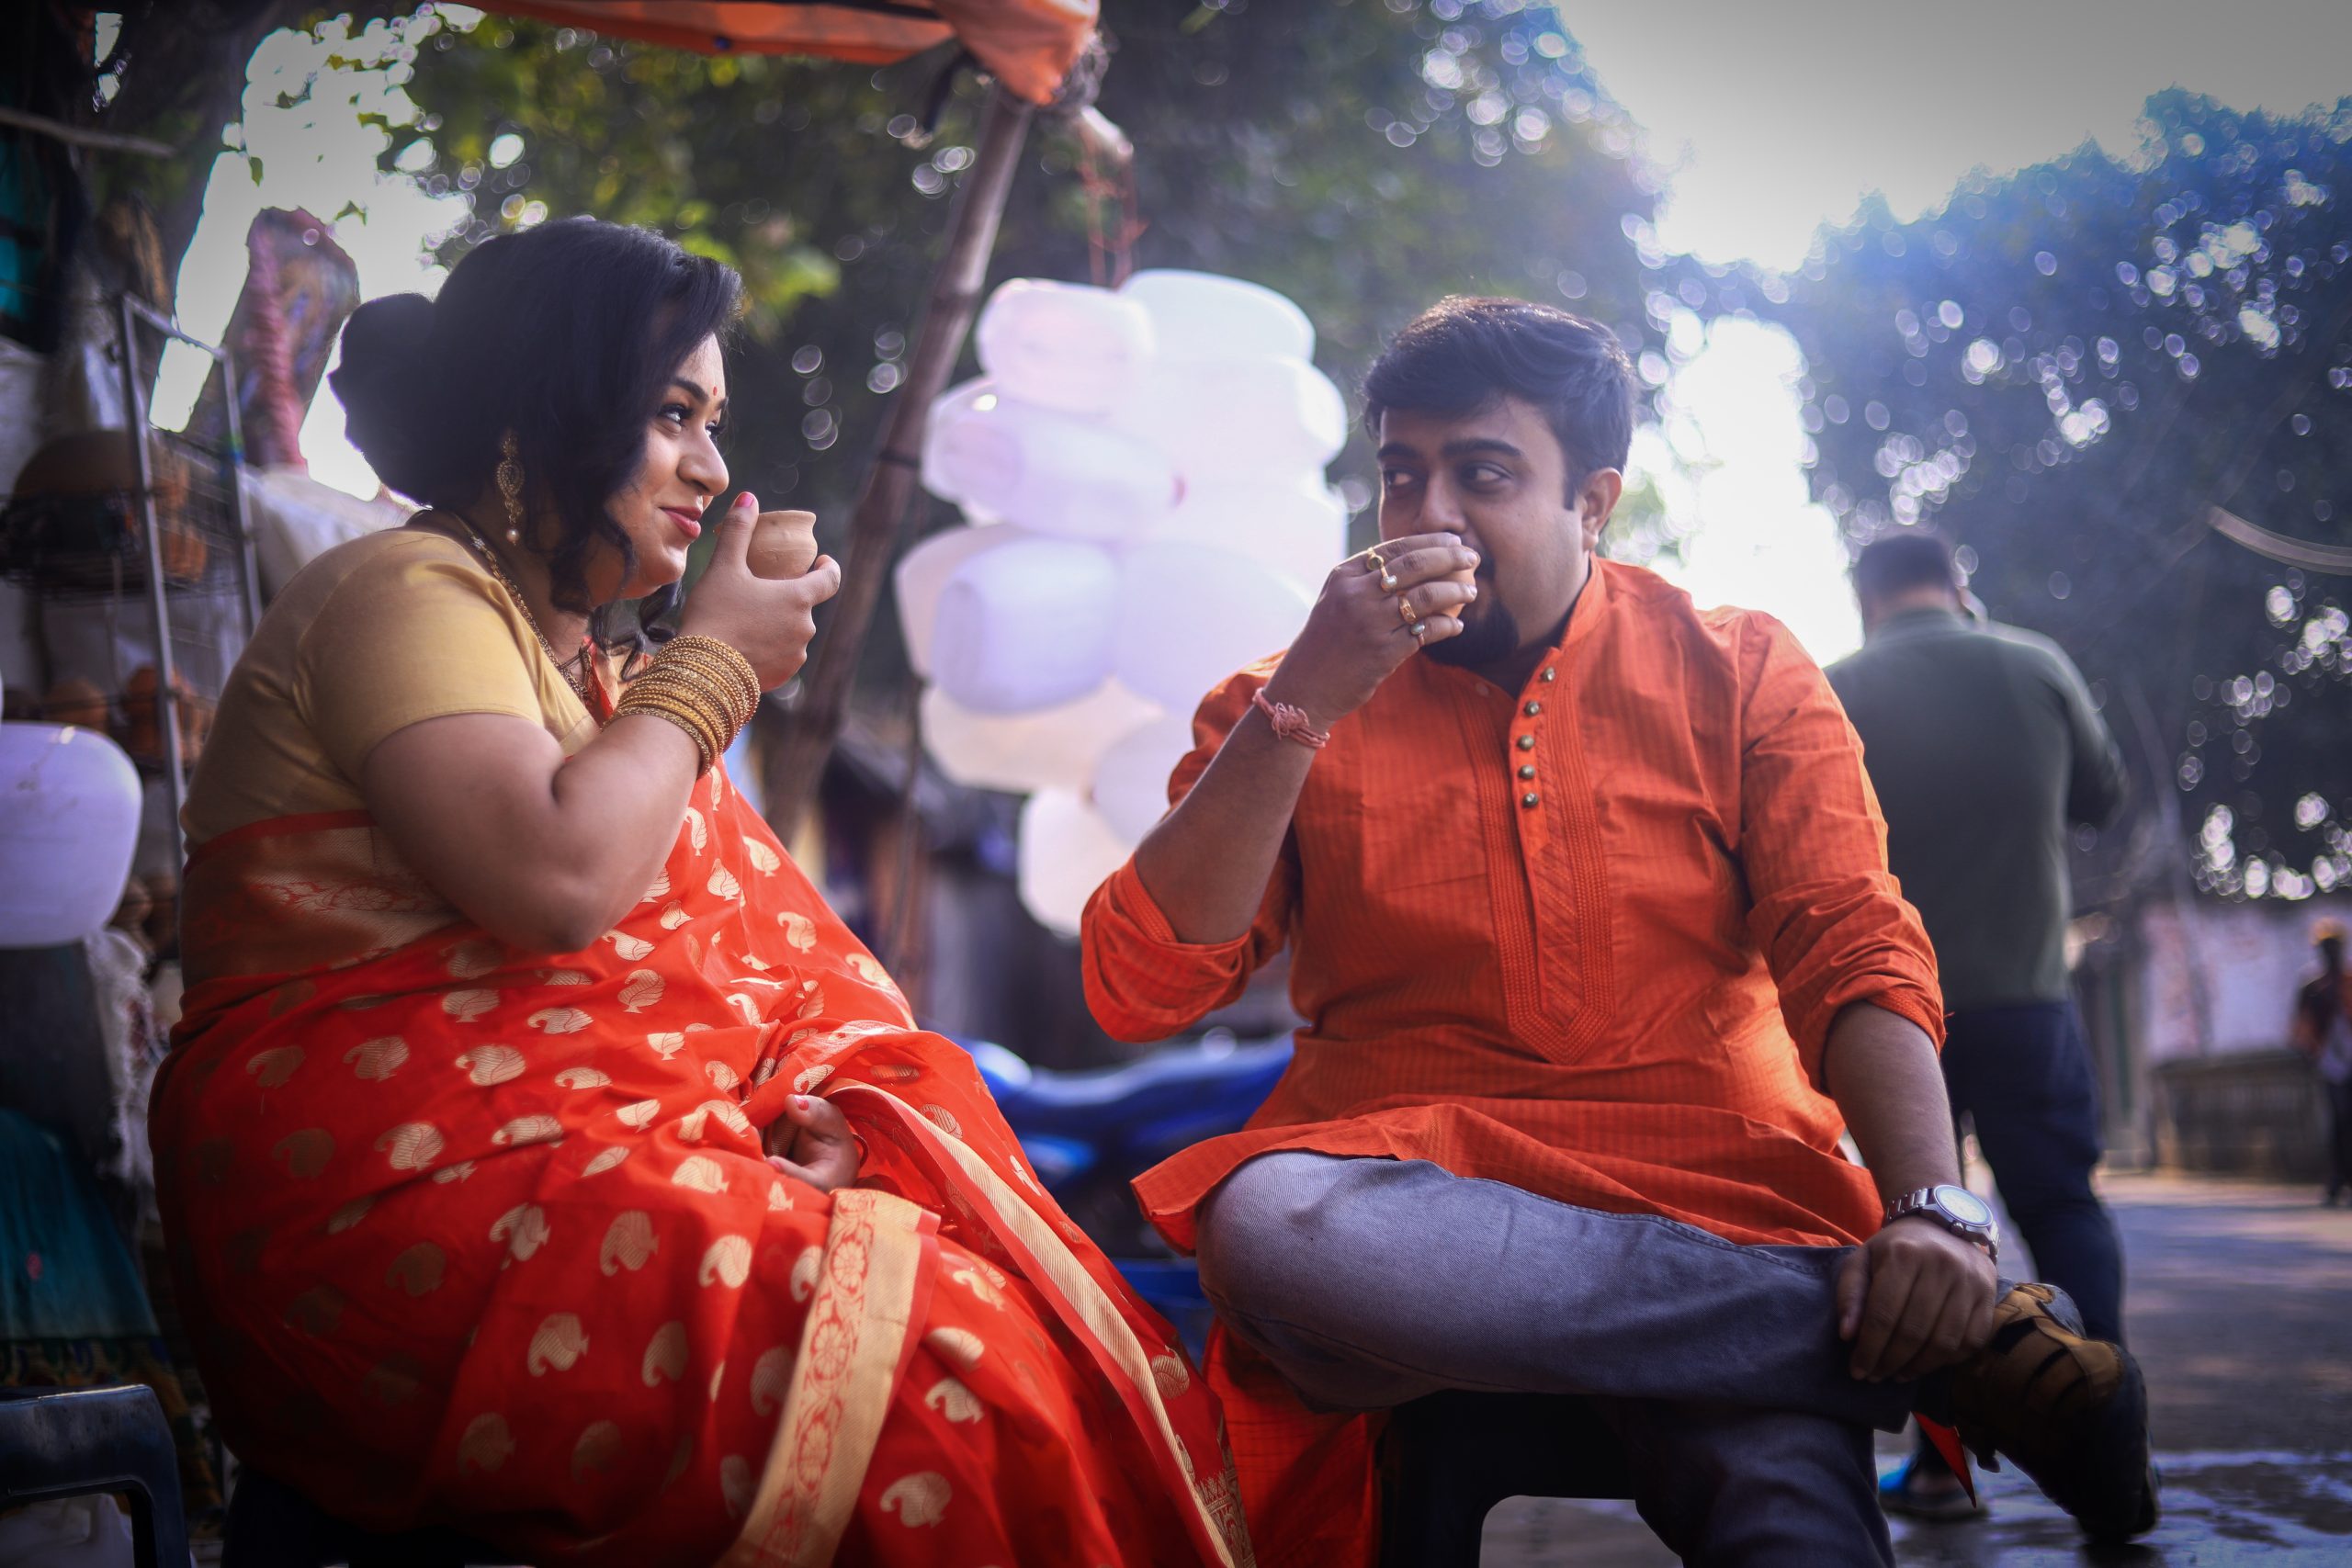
x=1449 y=1458
x=72 y=1442
x=273 y=1526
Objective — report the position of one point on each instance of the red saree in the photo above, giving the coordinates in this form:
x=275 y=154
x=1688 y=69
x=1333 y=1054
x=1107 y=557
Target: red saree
x=477 y=1237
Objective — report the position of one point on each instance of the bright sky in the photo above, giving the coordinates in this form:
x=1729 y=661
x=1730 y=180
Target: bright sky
x=315 y=155
x=1773 y=118
x=1770 y=120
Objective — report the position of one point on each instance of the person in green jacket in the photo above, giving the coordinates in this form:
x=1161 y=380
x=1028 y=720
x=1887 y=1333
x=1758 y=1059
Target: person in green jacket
x=1986 y=749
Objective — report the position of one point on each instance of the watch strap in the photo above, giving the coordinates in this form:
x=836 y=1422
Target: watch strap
x=1924 y=1204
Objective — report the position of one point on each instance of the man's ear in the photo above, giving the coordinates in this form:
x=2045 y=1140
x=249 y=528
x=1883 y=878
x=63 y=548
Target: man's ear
x=1596 y=499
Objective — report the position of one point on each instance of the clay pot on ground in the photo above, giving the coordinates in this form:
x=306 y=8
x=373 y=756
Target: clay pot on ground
x=142 y=729
x=136 y=909
x=76 y=701
x=163 y=924
x=102 y=463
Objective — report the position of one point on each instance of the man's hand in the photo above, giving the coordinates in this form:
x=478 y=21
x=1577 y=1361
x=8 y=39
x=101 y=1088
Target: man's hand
x=1357 y=636
x=1915 y=1299
x=813 y=1140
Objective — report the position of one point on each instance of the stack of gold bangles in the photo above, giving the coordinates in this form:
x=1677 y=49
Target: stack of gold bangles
x=703 y=686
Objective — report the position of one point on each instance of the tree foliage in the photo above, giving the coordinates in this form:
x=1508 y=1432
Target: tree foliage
x=1363 y=157
x=2067 y=370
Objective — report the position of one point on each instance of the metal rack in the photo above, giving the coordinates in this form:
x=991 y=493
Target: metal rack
x=136 y=313
x=175 y=540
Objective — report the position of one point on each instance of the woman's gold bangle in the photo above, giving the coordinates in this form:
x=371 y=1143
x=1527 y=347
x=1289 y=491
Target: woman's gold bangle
x=710 y=651
x=703 y=686
x=700 y=672
x=725 y=717
x=710 y=739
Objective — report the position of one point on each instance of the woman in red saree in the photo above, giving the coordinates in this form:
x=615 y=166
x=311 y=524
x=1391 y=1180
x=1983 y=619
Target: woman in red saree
x=541 y=1155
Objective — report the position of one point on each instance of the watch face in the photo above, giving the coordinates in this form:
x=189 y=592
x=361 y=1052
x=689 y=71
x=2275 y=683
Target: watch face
x=1964 y=1206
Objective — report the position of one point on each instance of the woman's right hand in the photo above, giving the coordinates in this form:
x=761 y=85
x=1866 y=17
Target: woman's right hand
x=769 y=621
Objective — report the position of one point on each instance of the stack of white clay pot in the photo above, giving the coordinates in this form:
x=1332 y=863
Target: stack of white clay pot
x=1141 y=472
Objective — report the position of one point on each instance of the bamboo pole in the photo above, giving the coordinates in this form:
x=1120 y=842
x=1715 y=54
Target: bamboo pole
x=795 y=752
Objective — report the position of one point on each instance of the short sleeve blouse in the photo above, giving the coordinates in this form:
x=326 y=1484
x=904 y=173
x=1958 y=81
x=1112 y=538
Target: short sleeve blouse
x=379 y=633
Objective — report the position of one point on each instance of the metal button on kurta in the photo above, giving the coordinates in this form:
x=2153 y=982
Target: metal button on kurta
x=1527 y=770
x=1527 y=743
x=1547 y=675
x=1534 y=709
x=1530 y=799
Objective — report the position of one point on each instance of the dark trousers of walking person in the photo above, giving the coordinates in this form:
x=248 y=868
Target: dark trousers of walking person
x=2339 y=1138
x=2022 y=1074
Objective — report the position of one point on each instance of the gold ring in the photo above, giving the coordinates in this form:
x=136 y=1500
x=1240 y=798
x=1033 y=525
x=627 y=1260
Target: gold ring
x=1405 y=609
x=1388 y=582
x=1373 y=562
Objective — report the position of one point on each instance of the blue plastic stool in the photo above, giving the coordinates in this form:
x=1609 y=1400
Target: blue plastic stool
x=1171 y=1287
x=73 y=1442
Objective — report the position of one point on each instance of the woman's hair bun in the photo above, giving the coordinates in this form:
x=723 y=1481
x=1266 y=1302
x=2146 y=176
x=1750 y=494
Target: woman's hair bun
x=382 y=383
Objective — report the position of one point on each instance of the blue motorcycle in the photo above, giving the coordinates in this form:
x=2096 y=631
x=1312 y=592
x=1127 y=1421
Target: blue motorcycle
x=1088 y=1135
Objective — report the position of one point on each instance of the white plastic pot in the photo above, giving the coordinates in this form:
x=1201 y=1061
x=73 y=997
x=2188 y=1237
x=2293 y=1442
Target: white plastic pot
x=1197 y=314
x=1236 y=418
x=1188 y=617
x=1049 y=471
x=1131 y=782
x=1026 y=626
x=1054 y=748
x=69 y=823
x=1066 y=850
x=1064 y=346
x=1298 y=529
x=922 y=576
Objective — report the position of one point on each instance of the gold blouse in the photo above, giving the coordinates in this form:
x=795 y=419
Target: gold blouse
x=378 y=633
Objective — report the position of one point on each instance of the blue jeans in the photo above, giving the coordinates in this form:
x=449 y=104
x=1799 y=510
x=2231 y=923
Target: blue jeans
x=1368 y=1283
x=2023 y=1074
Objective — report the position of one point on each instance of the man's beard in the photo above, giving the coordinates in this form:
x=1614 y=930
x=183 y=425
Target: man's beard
x=1482 y=640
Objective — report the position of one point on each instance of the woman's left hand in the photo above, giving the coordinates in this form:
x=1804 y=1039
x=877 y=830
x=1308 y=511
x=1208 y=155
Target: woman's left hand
x=813 y=1140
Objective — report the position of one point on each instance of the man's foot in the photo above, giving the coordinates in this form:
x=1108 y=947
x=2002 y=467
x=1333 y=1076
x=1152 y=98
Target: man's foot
x=1923 y=1491
x=2071 y=1411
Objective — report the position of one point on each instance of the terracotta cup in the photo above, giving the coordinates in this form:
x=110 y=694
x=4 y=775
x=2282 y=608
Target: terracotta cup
x=784 y=544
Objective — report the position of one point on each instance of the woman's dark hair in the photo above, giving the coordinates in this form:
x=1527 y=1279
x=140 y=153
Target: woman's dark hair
x=566 y=335
x=1463 y=354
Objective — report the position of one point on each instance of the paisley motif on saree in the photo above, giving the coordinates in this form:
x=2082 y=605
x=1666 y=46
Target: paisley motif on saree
x=483 y=1237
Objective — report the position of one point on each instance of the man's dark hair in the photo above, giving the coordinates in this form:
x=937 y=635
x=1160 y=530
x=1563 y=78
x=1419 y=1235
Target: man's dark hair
x=1896 y=563
x=564 y=335
x=1461 y=355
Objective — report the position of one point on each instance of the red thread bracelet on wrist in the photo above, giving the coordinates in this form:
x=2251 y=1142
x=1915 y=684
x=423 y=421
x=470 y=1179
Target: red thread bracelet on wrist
x=1290 y=723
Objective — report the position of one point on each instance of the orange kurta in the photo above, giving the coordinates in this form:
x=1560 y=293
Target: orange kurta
x=1607 y=980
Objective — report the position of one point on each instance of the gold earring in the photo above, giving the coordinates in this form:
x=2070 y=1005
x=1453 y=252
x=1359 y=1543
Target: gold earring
x=510 y=486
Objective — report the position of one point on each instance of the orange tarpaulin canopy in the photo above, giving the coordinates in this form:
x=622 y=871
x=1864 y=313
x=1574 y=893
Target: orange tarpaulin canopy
x=1028 y=45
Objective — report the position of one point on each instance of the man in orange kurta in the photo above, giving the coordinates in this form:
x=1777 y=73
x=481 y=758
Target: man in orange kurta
x=1586 y=896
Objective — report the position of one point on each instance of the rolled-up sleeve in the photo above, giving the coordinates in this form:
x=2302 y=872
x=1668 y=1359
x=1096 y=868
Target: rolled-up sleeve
x=1144 y=984
x=1823 y=906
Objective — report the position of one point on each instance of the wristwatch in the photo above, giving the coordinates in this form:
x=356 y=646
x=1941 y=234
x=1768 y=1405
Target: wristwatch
x=1956 y=1208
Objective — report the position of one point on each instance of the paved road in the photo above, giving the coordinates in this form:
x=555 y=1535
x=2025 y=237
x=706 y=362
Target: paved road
x=2239 y=1304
